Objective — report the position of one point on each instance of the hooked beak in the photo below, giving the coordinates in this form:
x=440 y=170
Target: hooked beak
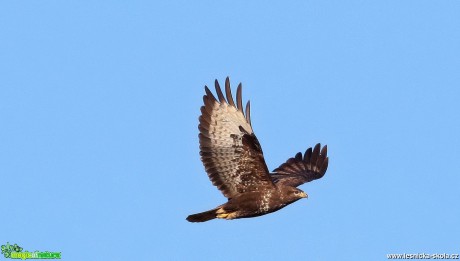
x=304 y=195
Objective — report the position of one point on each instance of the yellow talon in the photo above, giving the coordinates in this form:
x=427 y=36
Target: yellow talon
x=231 y=215
x=223 y=215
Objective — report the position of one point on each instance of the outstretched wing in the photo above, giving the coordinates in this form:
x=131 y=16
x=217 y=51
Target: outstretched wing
x=298 y=170
x=229 y=150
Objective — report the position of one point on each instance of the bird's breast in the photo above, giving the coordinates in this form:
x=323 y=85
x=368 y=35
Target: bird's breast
x=269 y=202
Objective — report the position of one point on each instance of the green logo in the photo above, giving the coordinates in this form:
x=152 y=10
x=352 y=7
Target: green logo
x=15 y=252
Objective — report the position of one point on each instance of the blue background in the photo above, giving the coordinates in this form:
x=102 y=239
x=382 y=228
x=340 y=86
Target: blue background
x=99 y=106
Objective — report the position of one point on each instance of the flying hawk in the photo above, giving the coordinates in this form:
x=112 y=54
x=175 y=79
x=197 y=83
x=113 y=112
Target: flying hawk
x=233 y=159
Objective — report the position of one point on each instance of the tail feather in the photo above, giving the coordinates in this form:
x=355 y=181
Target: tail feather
x=203 y=216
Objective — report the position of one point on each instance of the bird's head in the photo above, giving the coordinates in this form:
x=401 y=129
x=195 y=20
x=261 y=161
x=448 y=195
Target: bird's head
x=293 y=194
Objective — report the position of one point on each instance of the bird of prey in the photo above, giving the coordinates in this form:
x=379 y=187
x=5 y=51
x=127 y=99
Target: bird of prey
x=234 y=162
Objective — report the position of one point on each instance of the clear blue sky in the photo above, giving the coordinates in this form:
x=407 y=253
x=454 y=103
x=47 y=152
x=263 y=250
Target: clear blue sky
x=99 y=106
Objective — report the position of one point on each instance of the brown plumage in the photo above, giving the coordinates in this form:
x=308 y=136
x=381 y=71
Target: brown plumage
x=234 y=161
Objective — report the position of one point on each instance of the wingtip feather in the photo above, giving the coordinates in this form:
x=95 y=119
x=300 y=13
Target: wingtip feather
x=219 y=92
x=239 y=98
x=248 y=112
x=228 y=92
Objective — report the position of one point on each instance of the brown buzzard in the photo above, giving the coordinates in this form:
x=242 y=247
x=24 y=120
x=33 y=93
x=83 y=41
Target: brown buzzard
x=233 y=159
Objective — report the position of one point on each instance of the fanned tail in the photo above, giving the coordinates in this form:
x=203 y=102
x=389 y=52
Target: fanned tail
x=203 y=216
